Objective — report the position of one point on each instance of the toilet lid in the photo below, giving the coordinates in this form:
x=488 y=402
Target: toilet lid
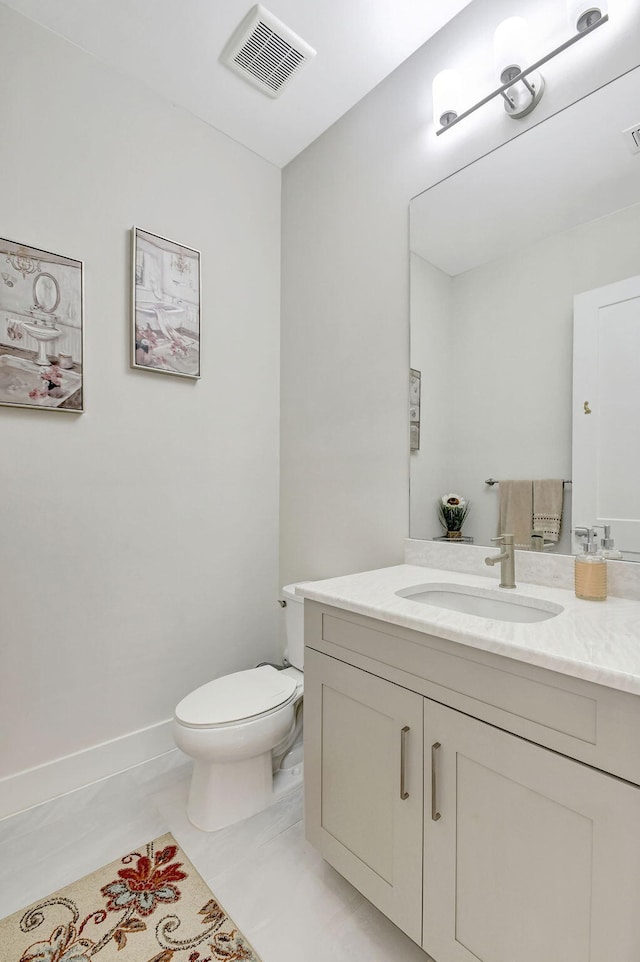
x=237 y=696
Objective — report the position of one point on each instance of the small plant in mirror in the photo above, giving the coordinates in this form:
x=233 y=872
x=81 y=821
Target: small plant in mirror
x=452 y=511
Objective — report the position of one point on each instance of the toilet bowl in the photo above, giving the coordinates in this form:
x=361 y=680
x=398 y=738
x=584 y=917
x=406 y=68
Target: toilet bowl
x=234 y=727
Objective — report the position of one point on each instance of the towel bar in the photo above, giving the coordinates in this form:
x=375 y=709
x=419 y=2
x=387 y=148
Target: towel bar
x=492 y=481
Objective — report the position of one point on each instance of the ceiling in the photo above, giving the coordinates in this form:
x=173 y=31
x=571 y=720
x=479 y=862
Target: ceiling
x=173 y=46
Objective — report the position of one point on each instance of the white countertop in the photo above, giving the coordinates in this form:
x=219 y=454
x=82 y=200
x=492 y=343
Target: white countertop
x=596 y=641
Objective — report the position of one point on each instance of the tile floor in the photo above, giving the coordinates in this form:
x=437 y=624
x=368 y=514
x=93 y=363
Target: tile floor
x=289 y=903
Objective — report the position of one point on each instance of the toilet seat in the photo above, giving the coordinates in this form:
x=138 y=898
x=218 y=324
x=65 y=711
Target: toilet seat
x=236 y=698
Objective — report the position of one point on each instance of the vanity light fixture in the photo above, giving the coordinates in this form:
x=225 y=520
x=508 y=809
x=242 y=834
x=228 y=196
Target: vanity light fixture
x=583 y=14
x=521 y=86
x=446 y=96
x=511 y=56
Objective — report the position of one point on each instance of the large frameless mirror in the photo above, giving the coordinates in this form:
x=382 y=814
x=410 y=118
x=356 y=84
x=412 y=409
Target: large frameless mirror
x=502 y=255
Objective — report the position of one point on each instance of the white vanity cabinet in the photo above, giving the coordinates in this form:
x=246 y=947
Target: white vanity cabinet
x=534 y=856
x=524 y=852
x=364 y=794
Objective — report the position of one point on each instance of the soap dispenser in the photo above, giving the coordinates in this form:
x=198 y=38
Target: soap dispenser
x=591 y=571
x=608 y=549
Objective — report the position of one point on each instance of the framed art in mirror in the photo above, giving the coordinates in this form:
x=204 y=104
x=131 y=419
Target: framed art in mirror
x=41 y=329
x=166 y=309
x=414 y=409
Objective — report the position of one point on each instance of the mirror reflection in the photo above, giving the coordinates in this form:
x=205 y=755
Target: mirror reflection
x=506 y=256
x=46 y=292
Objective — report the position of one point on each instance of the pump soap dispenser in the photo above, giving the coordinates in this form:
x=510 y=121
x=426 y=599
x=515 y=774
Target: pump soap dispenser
x=591 y=571
x=609 y=550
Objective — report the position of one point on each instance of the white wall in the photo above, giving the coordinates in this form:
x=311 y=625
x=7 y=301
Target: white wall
x=138 y=540
x=344 y=462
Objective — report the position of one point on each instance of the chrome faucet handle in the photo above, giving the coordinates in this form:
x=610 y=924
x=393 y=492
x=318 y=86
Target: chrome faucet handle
x=506 y=559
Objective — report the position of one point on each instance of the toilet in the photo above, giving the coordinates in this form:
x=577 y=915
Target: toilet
x=237 y=728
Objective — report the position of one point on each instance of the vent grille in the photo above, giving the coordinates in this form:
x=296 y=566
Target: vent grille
x=268 y=58
x=265 y=52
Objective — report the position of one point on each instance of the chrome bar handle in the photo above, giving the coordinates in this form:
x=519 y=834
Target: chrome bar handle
x=435 y=814
x=403 y=752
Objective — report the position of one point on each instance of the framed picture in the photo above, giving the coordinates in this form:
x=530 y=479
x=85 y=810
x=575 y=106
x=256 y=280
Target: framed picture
x=41 y=329
x=414 y=409
x=166 y=306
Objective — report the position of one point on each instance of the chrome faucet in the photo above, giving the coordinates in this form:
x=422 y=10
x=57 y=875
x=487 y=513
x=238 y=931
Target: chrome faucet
x=507 y=561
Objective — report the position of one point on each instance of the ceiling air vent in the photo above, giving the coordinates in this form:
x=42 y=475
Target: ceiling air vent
x=266 y=52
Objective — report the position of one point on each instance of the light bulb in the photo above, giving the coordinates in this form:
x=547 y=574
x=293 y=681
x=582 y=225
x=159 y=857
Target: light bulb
x=511 y=48
x=584 y=13
x=446 y=97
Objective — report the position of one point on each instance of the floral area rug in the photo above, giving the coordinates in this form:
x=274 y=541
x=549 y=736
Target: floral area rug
x=150 y=906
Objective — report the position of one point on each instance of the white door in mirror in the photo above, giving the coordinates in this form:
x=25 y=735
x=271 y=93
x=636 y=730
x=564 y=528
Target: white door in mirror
x=606 y=461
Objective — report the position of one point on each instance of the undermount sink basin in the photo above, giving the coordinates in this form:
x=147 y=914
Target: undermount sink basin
x=483 y=602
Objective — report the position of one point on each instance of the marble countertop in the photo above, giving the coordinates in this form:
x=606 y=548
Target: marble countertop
x=596 y=641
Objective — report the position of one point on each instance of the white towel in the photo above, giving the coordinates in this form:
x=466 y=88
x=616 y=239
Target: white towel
x=548 y=497
x=516 y=512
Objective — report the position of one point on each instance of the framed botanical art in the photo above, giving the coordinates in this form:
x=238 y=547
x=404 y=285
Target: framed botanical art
x=41 y=329
x=166 y=306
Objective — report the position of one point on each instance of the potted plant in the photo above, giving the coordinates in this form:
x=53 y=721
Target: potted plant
x=452 y=511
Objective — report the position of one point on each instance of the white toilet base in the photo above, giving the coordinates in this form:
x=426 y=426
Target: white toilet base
x=233 y=763
x=225 y=792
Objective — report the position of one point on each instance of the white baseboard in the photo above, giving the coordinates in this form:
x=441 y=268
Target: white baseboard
x=35 y=785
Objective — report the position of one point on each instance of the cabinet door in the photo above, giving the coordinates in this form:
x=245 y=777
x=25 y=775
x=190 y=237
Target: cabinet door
x=534 y=856
x=356 y=774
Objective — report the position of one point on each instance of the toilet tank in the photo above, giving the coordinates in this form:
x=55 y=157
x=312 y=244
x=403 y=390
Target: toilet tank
x=294 y=626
